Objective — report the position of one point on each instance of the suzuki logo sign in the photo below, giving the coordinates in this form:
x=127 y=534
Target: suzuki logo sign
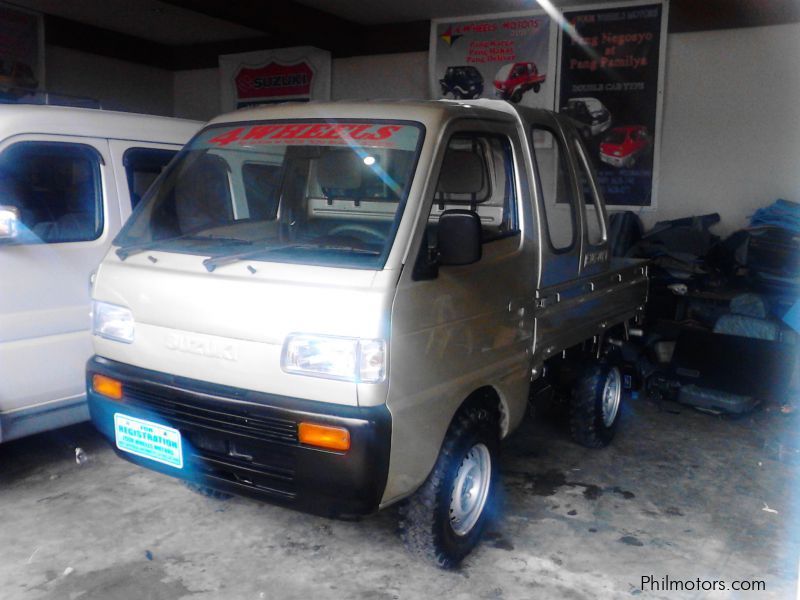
x=274 y=82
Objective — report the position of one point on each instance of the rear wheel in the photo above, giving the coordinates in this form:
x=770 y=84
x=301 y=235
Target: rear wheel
x=595 y=405
x=537 y=87
x=516 y=96
x=443 y=521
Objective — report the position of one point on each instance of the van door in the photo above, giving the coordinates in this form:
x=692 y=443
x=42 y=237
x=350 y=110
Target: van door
x=463 y=327
x=137 y=165
x=64 y=191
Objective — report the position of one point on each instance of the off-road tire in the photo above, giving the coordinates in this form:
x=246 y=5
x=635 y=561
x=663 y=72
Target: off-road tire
x=585 y=410
x=425 y=525
x=207 y=491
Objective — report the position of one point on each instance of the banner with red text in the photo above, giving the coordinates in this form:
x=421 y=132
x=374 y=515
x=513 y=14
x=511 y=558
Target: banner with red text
x=507 y=56
x=611 y=79
x=271 y=76
x=21 y=53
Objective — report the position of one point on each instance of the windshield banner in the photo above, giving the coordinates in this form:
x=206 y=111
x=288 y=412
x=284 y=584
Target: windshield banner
x=512 y=58
x=373 y=135
x=611 y=84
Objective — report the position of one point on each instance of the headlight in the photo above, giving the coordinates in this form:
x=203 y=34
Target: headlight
x=112 y=322
x=345 y=359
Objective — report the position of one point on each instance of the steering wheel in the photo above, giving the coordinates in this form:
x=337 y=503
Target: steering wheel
x=351 y=228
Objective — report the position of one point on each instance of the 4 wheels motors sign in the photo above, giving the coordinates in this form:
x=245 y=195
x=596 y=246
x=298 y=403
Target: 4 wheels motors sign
x=265 y=77
x=274 y=81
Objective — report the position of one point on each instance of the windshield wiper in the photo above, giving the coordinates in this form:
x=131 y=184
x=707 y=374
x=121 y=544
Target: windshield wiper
x=125 y=251
x=226 y=259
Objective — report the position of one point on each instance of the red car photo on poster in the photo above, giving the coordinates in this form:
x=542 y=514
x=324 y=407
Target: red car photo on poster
x=624 y=146
x=514 y=79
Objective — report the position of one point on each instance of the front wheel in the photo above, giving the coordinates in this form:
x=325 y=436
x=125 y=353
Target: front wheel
x=516 y=96
x=443 y=521
x=537 y=87
x=595 y=405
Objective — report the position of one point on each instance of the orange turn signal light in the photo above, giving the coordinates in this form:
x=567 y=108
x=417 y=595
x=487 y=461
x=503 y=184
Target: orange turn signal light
x=324 y=436
x=106 y=386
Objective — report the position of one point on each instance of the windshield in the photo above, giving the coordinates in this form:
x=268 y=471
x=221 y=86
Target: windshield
x=502 y=72
x=617 y=136
x=311 y=192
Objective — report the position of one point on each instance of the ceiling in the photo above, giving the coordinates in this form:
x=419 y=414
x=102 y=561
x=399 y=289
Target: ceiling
x=147 y=19
x=373 y=12
x=191 y=34
x=175 y=23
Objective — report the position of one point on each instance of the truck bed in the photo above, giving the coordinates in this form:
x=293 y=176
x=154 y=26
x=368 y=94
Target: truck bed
x=573 y=311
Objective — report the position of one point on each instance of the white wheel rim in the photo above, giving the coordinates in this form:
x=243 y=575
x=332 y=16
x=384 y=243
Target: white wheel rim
x=470 y=489
x=612 y=392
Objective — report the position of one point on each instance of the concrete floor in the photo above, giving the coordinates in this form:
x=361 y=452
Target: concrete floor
x=679 y=493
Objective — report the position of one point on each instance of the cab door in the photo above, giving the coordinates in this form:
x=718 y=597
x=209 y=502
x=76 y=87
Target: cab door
x=461 y=328
x=560 y=228
x=64 y=191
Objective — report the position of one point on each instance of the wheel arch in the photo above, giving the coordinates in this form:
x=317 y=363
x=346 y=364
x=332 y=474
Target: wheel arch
x=487 y=397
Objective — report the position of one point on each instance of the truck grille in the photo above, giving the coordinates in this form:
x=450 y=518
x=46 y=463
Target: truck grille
x=227 y=445
x=237 y=419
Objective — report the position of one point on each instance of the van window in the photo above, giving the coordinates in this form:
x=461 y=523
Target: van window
x=57 y=189
x=142 y=167
x=262 y=187
x=552 y=172
x=477 y=174
x=595 y=231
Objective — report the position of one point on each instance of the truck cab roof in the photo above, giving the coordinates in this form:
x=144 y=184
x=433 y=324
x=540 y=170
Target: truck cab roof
x=430 y=113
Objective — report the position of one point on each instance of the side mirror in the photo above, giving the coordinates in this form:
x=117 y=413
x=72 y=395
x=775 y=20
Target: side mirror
x=459 y=237
x=9 y=223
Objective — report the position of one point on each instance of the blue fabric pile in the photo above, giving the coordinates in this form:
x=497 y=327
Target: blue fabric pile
x=781 y=213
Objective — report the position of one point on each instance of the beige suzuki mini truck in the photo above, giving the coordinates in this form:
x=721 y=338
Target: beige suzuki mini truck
x=340 y=307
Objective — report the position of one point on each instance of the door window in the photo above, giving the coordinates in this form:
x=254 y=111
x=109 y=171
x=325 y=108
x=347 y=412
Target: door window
x=477 y=174
x=595 y=228
x=555 y=183
x=142 y=167
x=56 y=189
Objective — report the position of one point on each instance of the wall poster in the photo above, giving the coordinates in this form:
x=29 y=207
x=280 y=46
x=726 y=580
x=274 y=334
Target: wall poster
x=611 y=79
x=270 y=76
x=21 y=53
x=603 y=65
x=511 y=57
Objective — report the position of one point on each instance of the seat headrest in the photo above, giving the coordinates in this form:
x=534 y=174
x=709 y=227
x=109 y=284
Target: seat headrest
x=462 y=172
x=340 y=170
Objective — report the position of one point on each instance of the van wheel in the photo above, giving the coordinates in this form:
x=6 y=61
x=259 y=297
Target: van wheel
x=595 y=406
x=443 y=521
x=207 y=491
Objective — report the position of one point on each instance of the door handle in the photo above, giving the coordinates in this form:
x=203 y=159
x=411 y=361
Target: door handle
x=546 y=301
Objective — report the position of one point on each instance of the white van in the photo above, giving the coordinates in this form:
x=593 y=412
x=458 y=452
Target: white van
x=69 y=177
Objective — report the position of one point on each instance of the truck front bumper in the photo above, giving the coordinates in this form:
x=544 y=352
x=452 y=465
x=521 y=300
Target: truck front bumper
x=246 y=443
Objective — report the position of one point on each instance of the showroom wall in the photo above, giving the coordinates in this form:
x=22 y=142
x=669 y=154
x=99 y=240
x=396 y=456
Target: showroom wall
x=730 y=135
x=118 y=84
x=385 y=76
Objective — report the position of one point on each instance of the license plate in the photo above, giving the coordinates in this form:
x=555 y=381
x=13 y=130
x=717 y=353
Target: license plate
x=148 y=440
